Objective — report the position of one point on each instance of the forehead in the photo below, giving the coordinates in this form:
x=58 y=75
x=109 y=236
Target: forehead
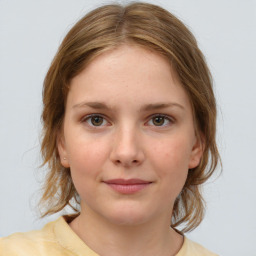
x=128 y=74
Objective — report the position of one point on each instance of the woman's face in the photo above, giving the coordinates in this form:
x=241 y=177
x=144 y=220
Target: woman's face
x=128 y=136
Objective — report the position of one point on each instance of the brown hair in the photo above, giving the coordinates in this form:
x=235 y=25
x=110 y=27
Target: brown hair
x=103 y=29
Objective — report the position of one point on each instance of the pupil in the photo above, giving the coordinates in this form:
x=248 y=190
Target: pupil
x=158 y=120
x=97 y=120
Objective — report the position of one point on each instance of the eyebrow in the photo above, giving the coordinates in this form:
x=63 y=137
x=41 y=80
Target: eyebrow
x=161 y=106
x=96 y=105
x=148 y=107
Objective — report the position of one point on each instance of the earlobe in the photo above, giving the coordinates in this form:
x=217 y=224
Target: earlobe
x=62 y=151
x=196 y=153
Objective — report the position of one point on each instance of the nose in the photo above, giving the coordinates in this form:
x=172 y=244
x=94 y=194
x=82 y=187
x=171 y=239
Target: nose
x=127 y=149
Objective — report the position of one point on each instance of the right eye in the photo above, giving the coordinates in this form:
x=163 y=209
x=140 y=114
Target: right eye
x=95 y=120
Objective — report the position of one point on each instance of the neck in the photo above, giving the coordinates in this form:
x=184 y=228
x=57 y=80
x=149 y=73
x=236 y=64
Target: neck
x=106 y=238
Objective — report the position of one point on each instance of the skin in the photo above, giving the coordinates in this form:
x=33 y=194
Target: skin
x=129 y=139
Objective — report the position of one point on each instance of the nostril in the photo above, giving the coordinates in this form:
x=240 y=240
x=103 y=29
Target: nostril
x=127 y=162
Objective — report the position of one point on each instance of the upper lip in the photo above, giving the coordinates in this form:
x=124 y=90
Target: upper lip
x=127 y=181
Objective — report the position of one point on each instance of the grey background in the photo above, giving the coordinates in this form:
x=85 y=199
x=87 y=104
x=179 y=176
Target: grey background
x=30 y=32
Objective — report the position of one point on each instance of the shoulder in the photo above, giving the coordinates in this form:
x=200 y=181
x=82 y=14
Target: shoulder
x=191 y=248
x=36 y=242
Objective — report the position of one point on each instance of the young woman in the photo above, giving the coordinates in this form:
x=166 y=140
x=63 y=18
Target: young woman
x=129 y=137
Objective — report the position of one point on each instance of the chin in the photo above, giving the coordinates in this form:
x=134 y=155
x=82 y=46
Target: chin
x=128 y=220
x=127 y=216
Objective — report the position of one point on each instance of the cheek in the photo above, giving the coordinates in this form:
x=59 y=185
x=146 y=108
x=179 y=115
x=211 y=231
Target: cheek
x=172 y=153
x=86 y=159
x=85 y=152
x=170 y=160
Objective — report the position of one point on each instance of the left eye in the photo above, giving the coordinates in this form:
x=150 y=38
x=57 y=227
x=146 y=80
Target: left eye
x=160 y=120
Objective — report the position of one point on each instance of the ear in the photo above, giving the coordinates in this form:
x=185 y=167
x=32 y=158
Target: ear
x=62 y=151
x=197 y=152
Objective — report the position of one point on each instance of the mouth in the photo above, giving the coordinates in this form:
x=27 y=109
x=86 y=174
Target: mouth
x=129 y=186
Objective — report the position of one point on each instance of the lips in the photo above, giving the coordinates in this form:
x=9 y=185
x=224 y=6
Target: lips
x=129 y=186
x=126 y=182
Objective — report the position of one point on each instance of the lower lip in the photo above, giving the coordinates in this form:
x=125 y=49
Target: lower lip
x=129 y=188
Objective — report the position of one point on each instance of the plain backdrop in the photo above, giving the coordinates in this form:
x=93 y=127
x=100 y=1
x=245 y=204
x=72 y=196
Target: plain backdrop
x=30 y=33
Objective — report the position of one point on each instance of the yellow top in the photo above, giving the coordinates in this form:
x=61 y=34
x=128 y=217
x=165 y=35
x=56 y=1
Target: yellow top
x=58 y=239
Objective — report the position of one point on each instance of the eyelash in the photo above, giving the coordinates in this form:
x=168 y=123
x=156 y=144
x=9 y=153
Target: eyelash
x=166 y=117
x=89 y=117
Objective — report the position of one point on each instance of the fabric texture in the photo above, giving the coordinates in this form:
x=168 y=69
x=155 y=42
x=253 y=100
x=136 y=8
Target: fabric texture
x=58 y=239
